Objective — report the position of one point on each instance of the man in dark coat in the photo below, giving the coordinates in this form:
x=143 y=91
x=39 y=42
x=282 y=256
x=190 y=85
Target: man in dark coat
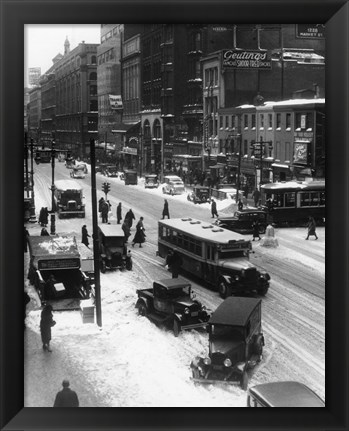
x=256 y=195
x=46 y=322
x=100 y=204
x=174 y=261
x=41 y=217
x=130 y=217
x=165 y=211
x=85 y=235
x=255 y=230
x=66 y=397
x=125 y=227
x=45 y=217
x=118 y=213
x=214 y=208
x=139 y=237
x=105 y=211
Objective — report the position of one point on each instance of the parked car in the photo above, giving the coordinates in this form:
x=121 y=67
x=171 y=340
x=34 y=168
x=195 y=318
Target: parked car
x=236 y=343
x=151 y=181
x=283 y=394
x=199 y=195
x=173 y=185
x=110 y=171
x=172 y=302
x=113 y=249
x=242 y=221
x=101 y=167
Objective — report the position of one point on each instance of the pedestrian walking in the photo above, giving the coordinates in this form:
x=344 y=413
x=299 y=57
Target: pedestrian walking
x=119 y=213
x=255 y=230
x=105 y=211
x=46 y=322
x=256 y=196
x=240 y=205
x=174 y=261
x=129 y=263
x=41 y=217
x=100 y=204
x=311 y=228
x=66 y=397
x=139 y=237
x=125 y=227
x=25 y=239
x=130 y=217
x=85 y=236
x=44 y=232
x=214 y=208
x=246 y=190
x=165 y=211
x=45 y=217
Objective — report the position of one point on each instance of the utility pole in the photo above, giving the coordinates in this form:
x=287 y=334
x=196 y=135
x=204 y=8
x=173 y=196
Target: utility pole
x=26 y=162
x=32 y=208
x=53 y=205
x=95 y=234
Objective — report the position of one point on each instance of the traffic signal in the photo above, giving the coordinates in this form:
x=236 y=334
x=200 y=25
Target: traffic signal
x=106 y=188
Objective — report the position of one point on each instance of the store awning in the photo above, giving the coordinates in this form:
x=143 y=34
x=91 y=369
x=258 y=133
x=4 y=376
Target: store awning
x=280 y=166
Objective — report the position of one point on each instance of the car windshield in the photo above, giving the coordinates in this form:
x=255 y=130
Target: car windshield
x=221 y=332
x=229 y=254
x=181 y=291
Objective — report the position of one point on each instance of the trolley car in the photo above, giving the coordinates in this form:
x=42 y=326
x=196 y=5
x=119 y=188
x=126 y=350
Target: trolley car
x=292 y=202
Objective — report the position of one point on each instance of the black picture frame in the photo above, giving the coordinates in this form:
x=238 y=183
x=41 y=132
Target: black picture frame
x=15 y=15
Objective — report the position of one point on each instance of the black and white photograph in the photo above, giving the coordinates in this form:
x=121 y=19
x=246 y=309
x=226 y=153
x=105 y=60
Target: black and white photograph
x=174 y=215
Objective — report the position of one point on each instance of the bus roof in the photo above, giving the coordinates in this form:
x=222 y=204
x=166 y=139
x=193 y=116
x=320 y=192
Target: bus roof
x=286 y=394
x=204 y=230
x=294 y=185
x=67 y=185
x=234 y=311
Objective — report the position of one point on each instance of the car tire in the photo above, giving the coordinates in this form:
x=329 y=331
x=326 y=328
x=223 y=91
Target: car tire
x=103 y=267
x=224 y=289
x=263 y=290
x=176 y=328
x=244 y=381
x=142 y=309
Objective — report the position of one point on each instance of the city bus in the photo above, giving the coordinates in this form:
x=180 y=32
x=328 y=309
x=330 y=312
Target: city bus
x=215 y=255
x=292 y=202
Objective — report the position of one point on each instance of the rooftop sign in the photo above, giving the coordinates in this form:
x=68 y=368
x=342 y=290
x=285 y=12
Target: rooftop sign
x=246 y=59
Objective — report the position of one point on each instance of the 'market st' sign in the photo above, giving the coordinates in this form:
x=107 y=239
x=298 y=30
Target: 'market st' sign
x=245 y=59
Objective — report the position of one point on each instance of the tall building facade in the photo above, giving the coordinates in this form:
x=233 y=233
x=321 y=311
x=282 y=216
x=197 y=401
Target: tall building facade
x=34 y=117
x=109 y=83
x=76 y=98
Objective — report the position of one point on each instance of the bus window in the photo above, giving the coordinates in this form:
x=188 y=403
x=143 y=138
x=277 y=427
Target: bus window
x=314 y=199
x=290 y=199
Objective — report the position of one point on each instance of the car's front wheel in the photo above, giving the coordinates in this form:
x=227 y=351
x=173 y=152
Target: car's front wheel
x=142 y=309
x=224 y=289
x=176 y=328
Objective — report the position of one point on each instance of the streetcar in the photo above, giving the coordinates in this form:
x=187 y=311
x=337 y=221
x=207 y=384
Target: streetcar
x=43 y=155
x=292 y=202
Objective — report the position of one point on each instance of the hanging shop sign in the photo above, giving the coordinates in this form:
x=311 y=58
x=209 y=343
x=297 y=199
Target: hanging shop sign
x=310 y=31
x=246 y=59
x=115 y=101
x=300 y=152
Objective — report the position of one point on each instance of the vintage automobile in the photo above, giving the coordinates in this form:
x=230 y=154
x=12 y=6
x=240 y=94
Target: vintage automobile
x=69 y=162
x=242 y=221
x=113 y=249
x=235 y=343
x=69 y=198
x=199 y=195
x=283 y=394
x=78 y=172
x=130 y=177
x=151 y=181
x=172 y=302
x=56 y=271
x=110 y=171
x=173 y=185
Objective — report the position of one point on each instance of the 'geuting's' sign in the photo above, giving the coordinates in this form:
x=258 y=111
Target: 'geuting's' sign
x=246 y=59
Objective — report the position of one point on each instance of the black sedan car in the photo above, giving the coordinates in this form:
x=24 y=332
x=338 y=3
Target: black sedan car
x=242 y=221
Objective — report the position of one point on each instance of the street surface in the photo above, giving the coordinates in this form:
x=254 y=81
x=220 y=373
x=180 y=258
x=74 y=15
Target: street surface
x=130 y=362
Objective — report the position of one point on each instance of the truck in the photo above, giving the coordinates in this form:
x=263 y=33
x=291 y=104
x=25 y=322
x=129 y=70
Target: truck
x=55 y=270
x=171 y=302
x=69 y=199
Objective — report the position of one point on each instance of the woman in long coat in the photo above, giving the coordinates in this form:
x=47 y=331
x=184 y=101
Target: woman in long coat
x=139 y=237
x=46 y=323
x=311 y=228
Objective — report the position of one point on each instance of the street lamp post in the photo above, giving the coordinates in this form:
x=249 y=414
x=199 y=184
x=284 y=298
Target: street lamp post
x=32 y=208
x=26 y=162
x=53 y=205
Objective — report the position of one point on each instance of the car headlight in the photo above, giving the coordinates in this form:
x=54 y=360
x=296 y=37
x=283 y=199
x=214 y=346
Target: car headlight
x=186 y=311
x=207 y=361
x=227 y=362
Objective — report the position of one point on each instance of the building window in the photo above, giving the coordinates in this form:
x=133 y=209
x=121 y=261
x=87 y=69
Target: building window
x=253 y=121
x=93 y=76
x=93 y=59
x=221 y=121
x=245 y=150
x=278 y=121
x=245 y=121
x=226 y=122
x=288 y=121
x=198 y=42
x=197 y=69
x=93 y=90
x=270 y=121
x=261 y=121
x=93 y=105
x=233 y=121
